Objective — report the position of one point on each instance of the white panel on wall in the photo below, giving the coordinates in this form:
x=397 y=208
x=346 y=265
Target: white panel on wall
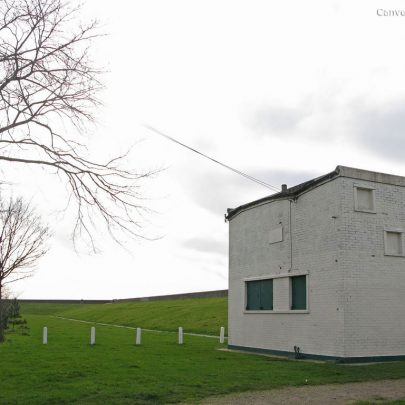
x=365 y=199
x=276 y=235
x=393 y=243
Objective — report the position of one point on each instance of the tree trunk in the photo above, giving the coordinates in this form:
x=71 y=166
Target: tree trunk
x=2 y=314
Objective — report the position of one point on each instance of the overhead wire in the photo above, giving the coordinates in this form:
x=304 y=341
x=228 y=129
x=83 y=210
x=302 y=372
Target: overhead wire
x=245 y=175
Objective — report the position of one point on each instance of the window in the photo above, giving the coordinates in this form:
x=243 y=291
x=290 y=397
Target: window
x=299 y=292
x=259 y=295
x=393 y=243
x=364 y=199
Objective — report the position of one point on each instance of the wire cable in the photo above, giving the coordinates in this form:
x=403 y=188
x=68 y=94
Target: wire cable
x=247 y=176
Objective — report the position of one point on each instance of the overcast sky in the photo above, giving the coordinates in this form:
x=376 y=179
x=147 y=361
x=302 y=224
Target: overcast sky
x=282 y=90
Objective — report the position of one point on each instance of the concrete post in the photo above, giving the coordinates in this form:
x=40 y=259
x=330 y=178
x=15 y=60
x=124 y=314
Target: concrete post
x=222 y=335
x=45 y=336
x=138 y=336
x=93 y=335
x=180 y=335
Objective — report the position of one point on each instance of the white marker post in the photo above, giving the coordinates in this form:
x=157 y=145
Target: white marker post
x=138 y=336
x=180 y=335
x=45 y=336
x=222 y=335
x=93 y=335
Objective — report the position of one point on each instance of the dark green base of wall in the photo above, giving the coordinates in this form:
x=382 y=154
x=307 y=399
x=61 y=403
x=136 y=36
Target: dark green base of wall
x=306 y=356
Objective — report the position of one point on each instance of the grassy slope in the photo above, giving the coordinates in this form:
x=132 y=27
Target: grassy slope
x=399 y=402
x=198 y=315
x=115 y=371
x=47 y=309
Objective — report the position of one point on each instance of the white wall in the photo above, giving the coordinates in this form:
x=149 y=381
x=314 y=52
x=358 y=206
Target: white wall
x=315 y=251
x=356 y=293
x=374 y=283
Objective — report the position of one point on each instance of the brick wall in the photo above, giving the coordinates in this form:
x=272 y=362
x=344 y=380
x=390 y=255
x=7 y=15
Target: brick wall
x=356 y=301
x=374 y=293
x=314 y=252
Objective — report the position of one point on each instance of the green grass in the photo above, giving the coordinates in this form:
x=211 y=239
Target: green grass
x=399 y=402
x=48 y=308
x=115 y=371
x=198 y=315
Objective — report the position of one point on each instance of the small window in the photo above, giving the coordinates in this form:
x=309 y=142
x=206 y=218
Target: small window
x=364 y=199
x=393 y=242
x=259 y=295
x=299 y=292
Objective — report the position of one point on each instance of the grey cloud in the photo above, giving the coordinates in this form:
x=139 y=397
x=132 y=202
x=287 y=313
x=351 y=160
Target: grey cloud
x=291 y=178
x=276 y=119
x=206 y=245
x=382 y=131
x=219 y=274
x=216 y=190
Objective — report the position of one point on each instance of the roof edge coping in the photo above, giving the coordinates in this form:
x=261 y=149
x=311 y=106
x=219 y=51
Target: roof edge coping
x=340 y=171
x=367 y=175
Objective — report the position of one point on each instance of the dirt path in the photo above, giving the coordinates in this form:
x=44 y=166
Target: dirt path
x=336 y=394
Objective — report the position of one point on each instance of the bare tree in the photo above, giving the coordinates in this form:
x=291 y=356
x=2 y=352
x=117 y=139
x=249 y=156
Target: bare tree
x=48 y=89
x=23 y=240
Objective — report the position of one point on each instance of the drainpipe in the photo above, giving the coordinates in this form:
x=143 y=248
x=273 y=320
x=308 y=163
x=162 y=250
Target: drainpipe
x=291 y=238
x=283 y=190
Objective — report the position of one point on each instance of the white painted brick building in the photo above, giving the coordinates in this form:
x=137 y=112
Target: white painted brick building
x=321 y=266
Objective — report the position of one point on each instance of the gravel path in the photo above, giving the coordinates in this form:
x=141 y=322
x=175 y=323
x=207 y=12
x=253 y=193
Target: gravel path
x=336 y=394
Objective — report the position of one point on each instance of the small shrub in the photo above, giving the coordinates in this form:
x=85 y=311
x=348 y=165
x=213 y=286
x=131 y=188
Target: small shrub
x=12 y=319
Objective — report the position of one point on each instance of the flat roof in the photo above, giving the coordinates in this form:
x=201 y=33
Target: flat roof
x=340 y=171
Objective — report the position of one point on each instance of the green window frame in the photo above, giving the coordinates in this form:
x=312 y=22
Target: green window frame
x=259 y=295
x=299 y=293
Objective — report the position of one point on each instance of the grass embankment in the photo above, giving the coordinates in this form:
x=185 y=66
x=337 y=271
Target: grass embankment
x=399 y=402
x=197 y=315
x=115 y=371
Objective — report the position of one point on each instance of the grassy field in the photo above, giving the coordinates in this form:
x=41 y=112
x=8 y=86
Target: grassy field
x=400 y=402
x=196 y=315
x=115 y=371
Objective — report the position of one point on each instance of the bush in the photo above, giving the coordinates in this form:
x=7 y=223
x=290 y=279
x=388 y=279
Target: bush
x=10 y=317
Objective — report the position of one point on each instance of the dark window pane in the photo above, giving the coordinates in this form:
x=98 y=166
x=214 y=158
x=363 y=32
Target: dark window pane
x=266 y=294
x=253 y=295
x=299 y=292
x=259 y=295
